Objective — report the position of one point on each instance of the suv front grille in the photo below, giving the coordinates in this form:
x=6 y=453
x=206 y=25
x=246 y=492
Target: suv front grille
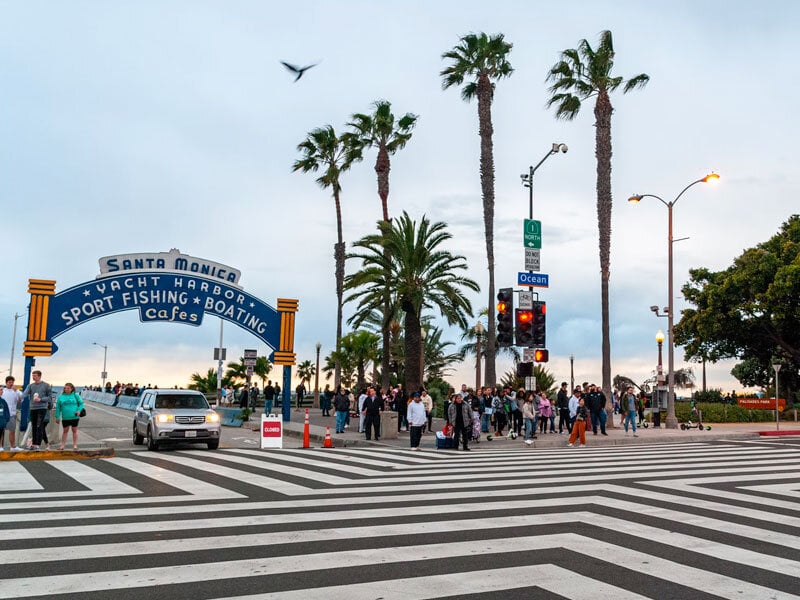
x=189 y=420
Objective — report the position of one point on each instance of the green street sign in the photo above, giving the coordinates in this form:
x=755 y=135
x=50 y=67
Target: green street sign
x=532 y=234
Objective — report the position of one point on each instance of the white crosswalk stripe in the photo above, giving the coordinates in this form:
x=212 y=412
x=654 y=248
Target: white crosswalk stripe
x=637 y=522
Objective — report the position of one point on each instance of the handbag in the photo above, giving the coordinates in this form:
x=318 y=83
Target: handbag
x=82 y=413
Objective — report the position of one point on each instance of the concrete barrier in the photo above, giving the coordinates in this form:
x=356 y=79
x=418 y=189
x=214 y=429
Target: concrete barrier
x=230 y=417
x=127 y=402
x=99 y=397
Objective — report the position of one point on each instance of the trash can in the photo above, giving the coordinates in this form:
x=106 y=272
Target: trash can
x=389 y=425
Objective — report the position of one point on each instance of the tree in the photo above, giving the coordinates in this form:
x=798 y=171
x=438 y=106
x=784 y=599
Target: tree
x=305 y=371
x=470 y=345
x=237 y=371
x=206 y=383
x=482 y=60
x=362 y=346
x=262 y=369
x=749 y=311
x=380 y=130
x=544 y=380
x=421 y=275
x=582 y=73
x=323 y=149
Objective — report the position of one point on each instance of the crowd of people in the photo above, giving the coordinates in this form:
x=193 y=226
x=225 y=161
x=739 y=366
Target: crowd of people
x=27 y=413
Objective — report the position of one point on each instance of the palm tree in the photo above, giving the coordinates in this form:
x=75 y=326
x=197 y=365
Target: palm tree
x=380 y=130
x=470 y=345
x=323 y=149
x=421 y=274
x=344 y=359
x=236 y=370
x=262 y=369
x=483 y=60
x=362 y=347
x=580 y=74
x=205 y=383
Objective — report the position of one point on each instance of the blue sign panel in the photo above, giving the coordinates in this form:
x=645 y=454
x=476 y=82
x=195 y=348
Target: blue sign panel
x=533 y=279
x=161 y=296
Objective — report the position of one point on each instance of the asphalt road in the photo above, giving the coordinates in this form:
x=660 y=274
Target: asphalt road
x=692 y=520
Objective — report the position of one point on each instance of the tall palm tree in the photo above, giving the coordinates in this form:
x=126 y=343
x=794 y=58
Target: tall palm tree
x=236 y=371
x=422 y=275
x=305 y=371
x=582 y=73
x=262 y=369
x=324 y=150
x=482 y=60
x=362 y=346
x=380 y=130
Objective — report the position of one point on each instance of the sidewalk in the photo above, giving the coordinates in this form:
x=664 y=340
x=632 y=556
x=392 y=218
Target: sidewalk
x=615 y=437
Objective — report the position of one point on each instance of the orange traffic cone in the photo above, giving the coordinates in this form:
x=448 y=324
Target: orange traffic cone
x=306 y=440
x=328 y=441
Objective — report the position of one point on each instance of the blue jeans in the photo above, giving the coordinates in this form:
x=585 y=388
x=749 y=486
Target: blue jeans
x=341 y=418
x=485 y=422
x=599 y=417
x=630 y=416
x=267 y=407
x=530 y=427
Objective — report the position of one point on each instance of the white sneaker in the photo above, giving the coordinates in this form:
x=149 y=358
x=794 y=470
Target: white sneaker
x=570 y=444
x=2 y=449
x=528 y=442
x=16 y=449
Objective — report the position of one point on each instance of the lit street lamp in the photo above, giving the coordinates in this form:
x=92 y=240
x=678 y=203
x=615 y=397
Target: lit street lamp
x=104 y=375
x=672 y=421
x=478 y=332
x=656 y=403
x=316 y=379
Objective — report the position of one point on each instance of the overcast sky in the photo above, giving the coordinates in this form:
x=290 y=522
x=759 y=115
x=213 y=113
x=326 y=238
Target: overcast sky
x=144 y=126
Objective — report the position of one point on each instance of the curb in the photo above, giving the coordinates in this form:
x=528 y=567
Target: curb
x=25 y=455
x=779 y=433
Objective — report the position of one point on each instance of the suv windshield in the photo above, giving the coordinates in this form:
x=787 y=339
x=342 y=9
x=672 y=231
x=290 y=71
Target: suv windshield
x=181 y=401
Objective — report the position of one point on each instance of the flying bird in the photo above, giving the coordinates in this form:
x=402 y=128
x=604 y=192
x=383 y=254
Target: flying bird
x=297 y=70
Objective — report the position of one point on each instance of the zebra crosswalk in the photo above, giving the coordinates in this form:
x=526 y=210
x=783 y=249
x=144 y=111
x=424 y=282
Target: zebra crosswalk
x=702 y=520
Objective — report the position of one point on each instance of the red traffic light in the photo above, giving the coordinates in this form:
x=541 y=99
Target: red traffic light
x=541 y=355
x=524 y=316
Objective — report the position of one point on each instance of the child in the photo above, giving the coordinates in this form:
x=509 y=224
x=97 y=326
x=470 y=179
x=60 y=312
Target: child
x=579 y=428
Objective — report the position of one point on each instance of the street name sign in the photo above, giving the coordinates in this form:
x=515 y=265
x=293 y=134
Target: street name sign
x=532 y=234
x=533 y=259
x=533 y=279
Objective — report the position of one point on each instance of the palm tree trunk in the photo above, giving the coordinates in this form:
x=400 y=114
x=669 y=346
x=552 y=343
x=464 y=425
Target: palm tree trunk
x=338 y=255
x=413 y=348
x=602 y=114
x=485 y=130
x=382 y=167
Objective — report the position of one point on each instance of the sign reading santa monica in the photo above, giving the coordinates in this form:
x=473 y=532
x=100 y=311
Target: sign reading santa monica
x=167 y=287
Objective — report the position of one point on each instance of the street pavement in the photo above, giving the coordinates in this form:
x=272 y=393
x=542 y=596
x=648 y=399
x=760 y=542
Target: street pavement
x=717 y=518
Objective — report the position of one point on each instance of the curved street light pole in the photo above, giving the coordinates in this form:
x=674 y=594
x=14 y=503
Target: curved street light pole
x=671 y=421
x=103 y=375
x=527 y=178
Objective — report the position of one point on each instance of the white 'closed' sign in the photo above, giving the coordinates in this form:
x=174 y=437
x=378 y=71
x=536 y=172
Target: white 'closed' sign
x=271 y=431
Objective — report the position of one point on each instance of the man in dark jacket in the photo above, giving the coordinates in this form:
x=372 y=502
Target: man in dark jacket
x=341 y=404
x=372 y=409
x=459 y=415
x=562 y=402
x=596 y=401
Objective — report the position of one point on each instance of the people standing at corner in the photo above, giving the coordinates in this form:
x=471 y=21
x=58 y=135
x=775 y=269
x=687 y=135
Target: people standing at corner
x=372 y=409
x=596 y=402
x=69 y=407
x=269 y=397
x=416 y=420
x=13 y=398
x=627 y=406
x=341 y=404
x=529 y=416
x=545 y=411
x=327 y=397
x=300 y=393
x=486 y=409
x=459 y=415
x=427 y=402
x=573 y=406
x=243 y=395
x=40 y=396
x=579 y=427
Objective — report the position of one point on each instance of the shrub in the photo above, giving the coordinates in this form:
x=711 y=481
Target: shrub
x=715 y=412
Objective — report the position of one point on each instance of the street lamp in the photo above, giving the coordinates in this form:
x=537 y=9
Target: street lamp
x=527 y=178
x=672 y=422
x=478 y=332
x=776 y=367
x=105 y=356
x=316 y=379
x=571 y=373
x=423 y=333
x=659 y=382
x=13 y=345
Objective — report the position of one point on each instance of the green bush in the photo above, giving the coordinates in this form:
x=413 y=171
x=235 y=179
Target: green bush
x=714 y=395
x=715 y=412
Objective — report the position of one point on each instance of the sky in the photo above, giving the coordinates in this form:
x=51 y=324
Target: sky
x=144 y=126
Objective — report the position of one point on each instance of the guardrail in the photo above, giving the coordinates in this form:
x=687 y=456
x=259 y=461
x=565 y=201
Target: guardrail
x=100 y=397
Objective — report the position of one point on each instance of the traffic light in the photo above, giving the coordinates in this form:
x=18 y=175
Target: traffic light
x=523 y=324
x=525 y=369
x=539 y=333
x=541 y=355
x=505 y=308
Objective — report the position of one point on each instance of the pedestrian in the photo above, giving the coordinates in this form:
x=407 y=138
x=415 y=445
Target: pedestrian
x=361 y=399
x=627 y=407
x=269 y=397
x=499 y=414
x=545 y=411
x=372 y=409
x=401 y=406
x=69 y=407
x=562 y=404
x=596 y=402
x=427 y=402
x=300 y=393
x=460 y=417
x=640 y=407
x=573 y=407
x=327 y=397
x=13 y=399
x=243 y=398
x=579 y=427
x=40 y=396
x=529 y=416
x=341 y=403
x=416 y=420
x=486 y=410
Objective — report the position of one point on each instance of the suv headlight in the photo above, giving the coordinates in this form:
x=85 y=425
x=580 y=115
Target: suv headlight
x=164 y=418
x=212 y=417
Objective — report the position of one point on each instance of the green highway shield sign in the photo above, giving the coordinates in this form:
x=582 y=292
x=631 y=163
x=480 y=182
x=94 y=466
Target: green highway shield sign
x=532 y=234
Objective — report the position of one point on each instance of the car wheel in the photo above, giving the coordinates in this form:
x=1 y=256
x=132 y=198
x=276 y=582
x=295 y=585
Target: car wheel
x=213 y=445
x=138 y=440
x=152 y=445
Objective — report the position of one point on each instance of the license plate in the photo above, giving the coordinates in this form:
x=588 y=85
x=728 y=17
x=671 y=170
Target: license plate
x=190 y=434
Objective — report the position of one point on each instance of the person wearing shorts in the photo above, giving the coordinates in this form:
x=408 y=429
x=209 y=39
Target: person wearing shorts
x=13 y=398
x=68 y=408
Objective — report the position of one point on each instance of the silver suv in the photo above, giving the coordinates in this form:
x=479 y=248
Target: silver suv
x=169 y=416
